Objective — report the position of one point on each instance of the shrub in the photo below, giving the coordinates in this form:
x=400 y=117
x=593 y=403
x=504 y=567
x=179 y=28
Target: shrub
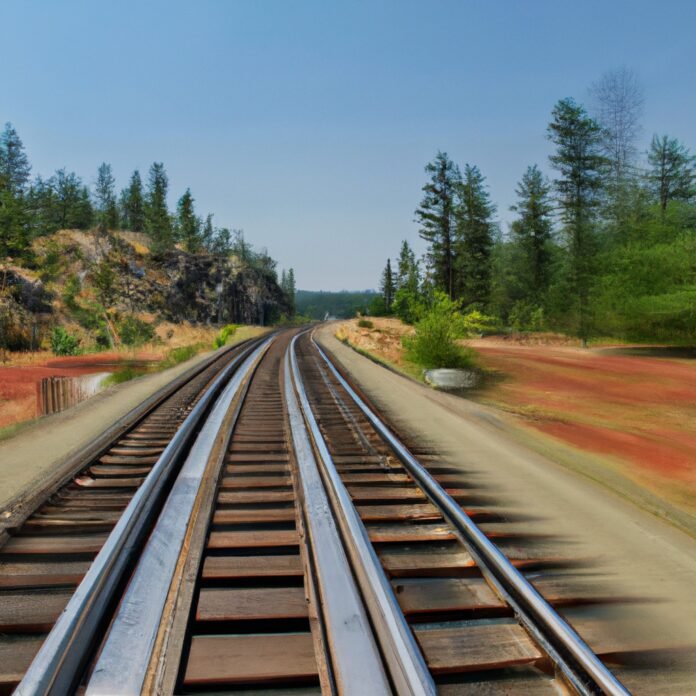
x=63 y=343
x=134 y=331
x=224 y=335
x=70 y=290
x=408 y=305
x=476 y=322
x=434 y=343
x=365 y=324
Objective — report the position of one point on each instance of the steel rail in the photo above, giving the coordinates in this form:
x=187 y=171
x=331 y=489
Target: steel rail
x=355 y=659
x=406 y=664
x=56 y=667
x=579 y=664
x=126 y=655
x=21 y=507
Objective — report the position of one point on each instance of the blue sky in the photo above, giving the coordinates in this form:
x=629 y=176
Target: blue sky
x=308 y=123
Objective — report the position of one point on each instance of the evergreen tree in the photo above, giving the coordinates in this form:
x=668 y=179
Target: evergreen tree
x=532 y=232
x=386 y=286
x=187 y=224
x=672 y=170
x=436 y=217
x=222 y=242
x=14 y=176
x=474 y=239
x=14 y=163
x=105 y=195
x=407 y=295
x=133 y=204
x=579 y=163
x=208 y=233
x=158 y=223
x=291 y=290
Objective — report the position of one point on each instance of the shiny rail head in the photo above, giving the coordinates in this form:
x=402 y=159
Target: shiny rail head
x=128 y=649
x=407 y=666
x=534 y=611
x=56 y=667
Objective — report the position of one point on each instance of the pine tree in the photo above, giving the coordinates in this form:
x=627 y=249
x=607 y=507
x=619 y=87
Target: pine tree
x=474 y=239
x=105 y=196
x=407 y=293
x=532 y=232
x=14 y=163
x=187 y=224
x=208 y=233
x=436 y=217
x=291 y=290
x=672 y=170
x=14 y=177
x=579 y=163
x=386 y=286
x=133 y=204
x=158 y=223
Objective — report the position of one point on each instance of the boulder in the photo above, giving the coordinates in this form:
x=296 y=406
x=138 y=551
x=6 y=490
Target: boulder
x=449 y=379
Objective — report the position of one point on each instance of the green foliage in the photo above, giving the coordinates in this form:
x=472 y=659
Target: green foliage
x=434 y=343
x=365 y=323
x=436 y=217
x=474 y=239
x=477 y=323
x=343 y=305
x=224 y=335
x=377 y=307
x=134 y=331
x=133 y=204
x=188 y=226
x=70 y=290
x=104 y=280
x=178 y=355
x=525 y=316
x=64 y=343
x=158 y=223
x=105 y=195
x=125 y=374
x=387 y=287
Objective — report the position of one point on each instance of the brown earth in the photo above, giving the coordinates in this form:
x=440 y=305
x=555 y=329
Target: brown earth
x=639 y=413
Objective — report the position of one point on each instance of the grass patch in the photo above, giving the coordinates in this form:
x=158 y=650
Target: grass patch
x=365 y=324
x=176 y=356
x=125 y=374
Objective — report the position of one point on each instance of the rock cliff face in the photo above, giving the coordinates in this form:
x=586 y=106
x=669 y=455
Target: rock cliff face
x=210 y=289
x=82 y=278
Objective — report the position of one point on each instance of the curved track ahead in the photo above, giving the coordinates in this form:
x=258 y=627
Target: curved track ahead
x=298 y=547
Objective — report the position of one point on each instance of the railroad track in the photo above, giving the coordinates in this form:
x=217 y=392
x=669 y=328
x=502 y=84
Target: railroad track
x=300 y=548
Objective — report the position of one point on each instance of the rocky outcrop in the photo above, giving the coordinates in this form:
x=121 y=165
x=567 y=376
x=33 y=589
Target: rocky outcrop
x=213 y=289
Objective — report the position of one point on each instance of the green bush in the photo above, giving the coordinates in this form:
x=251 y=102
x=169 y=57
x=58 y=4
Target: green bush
x=477 y=323
x=365 y=324
x=408 y=305
x=434 y=343
x=224 y=335
x=134 y=331
x=179 y=355
x=63 y=343
x=70 y=290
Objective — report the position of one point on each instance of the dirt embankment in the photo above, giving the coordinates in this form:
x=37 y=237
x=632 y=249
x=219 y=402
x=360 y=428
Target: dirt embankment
x=637 y=411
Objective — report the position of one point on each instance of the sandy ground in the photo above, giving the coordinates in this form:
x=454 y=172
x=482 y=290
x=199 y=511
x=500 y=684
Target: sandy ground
x=625 y=551
x=32 y=453
x=635 y=413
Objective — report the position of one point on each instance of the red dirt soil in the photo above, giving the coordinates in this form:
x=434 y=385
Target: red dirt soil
x=641 y=410
x=19 y=384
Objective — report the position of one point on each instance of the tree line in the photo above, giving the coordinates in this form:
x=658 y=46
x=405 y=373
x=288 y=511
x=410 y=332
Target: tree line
x=40 y=207
x=607 y=246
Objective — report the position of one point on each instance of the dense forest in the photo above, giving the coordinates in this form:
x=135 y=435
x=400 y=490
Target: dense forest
x=321 y=303
x=606 y=247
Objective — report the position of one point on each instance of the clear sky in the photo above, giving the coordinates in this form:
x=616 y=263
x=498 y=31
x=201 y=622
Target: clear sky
x=308 y=123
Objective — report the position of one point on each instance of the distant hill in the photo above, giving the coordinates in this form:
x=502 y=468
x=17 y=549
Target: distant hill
x=343 y=305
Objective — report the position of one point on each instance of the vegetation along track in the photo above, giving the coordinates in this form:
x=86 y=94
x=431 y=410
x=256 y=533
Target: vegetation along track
x=302 y=547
